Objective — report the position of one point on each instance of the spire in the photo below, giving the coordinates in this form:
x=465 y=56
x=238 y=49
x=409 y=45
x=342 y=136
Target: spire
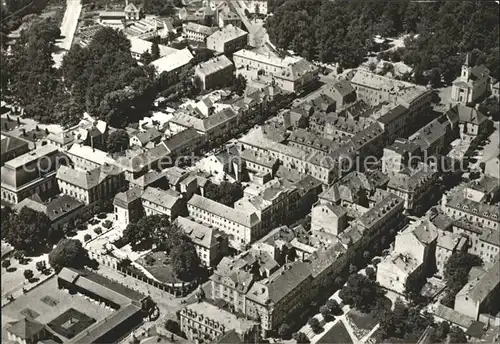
x=467 y=60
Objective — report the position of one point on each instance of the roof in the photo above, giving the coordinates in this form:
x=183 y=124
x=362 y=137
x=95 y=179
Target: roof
x=86 y=179
x=25 y=328
x=243 y=218
x=465 y=114
x=288 y=68
x=480 y=288
x=32 y=156
x=200 y=234
x=146 y=158
x=213 y=65
x=181 y=139
x=228 y=33
x=452 y=316
x=393 y=114
x=88 y=153
x=11 y=143
x=202 y=29
x=173 y=61
x=158 y=196
x=343 y=87
x=251 y=156
x=230 y=273
x=131 y=8
x=128 y=196
x=279 y=284
x=228 y=320
x=138 y=46
x=149 y=135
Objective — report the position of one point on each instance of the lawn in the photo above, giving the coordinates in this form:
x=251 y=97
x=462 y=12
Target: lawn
x=160 y=268
x=363 y=321
x=337 y=334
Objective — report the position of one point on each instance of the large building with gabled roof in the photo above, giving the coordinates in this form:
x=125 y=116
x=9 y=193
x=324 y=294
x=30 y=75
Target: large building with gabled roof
x=472 y=83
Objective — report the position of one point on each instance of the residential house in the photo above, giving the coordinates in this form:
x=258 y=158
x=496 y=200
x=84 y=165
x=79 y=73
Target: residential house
x=147 y=139
x=215 y=73
x=162 y=202
x=329 y=218
x=203 y=321
x=481 y=293
x=447 y=244
x=90 y=186
x=184 y=143
x=228 y=40
x=242 y=227
x=342 y=92
x=169 y=67
x=139 y=46
x=132 y=12
x=197 y=32
x=226 y=16
x=210 y=244
x=87 y=158
x=128 y=207
x=471 y=124
x=472 y=83
x=31 y=173
x=26 y=331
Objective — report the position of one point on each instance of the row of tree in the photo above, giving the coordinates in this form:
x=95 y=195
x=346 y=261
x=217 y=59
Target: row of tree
x=343 y=31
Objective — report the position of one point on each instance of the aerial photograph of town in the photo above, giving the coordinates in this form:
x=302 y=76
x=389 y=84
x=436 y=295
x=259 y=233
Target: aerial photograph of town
x=250 y=171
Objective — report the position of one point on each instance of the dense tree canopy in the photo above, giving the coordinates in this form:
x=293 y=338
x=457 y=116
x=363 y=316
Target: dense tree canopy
x=68 y=253
x=29 y=230
x=225 y=193
x=343 y=31
x=117 y=141
x=361 y=292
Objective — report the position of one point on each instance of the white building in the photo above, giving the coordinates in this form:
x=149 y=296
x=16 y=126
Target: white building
x=471 y=84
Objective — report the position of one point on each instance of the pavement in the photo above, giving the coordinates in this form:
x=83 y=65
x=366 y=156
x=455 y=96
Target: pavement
x=68 y=29
x=257 y=34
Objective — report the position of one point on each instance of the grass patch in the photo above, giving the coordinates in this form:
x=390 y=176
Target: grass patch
x=337 y=334
x=363 y=321
x=161 y=271
x=70 y=323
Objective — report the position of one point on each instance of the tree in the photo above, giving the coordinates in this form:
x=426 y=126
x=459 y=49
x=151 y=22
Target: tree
x=28 y=231
x=41 y=266
x=315 y=325
x=361 y=292
x=239 y=84
x=325 y=312
x=87 y=237
x=225 y=193
x=6 y=263
x=28 y=274
x=441 y=332
x=333 y=306
x=457 y=335
x=185 y=260
x=172 y=326
x=146 y=58
x=155 y=50
x=283 y=330
x=301 y=338
x=68 y=253
x=117 y=141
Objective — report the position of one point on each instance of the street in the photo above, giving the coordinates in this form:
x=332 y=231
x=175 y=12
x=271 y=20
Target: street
x=68 y=29
x=257 y=34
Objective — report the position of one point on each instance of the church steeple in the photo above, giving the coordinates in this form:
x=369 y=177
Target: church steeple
x=466 y=68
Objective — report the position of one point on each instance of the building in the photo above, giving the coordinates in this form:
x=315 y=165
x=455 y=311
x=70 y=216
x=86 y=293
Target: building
x=447 y=244
x=329 y=218
x=412 y=258
x=131 y=11
x=228 y=40
x=12 y=147
x=472 y=83
x=205 y=322
x=341 y=91
x=290 y=74
x=256 y=6
x=242 y=227
x=215 y=73
x=148 y=138
x=210 y=244
x=470 y=123
x=160 y=202
x=226 y=16
x=90 y=186
x=481 y=293
x=399 y=156
x=184 y=142
x=197 y=32
x=138 y=46
x=26 y=331
x=414 y=186
x=173 y=64
x=87 y=158
x=60 y=209
x=128 y=207
x=31 y=173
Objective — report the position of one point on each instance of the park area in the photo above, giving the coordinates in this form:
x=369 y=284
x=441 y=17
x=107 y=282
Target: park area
x=337 y=334
x=159 y=265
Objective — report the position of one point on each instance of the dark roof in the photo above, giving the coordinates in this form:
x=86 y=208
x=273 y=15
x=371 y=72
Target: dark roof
x=344 y=87
x=180 y=139
x=60 y=206
x=230 y=337
x=392 y=114
x=25 y=328
x=10 y=143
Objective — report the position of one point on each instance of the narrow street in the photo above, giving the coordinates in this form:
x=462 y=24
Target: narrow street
x=68 y=29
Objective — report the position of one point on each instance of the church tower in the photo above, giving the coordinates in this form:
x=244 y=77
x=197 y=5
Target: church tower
x=466 y=69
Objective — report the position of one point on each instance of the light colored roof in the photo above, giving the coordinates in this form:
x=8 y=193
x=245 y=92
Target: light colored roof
x=200 y=234
x=290 y=68
x=213 y=65
x=243 y=218
x=88 y=153
x=31 y=156
x=228 y=33
x=164 y=198
x=173 y=61
x=129 y=195
x=148 y=135
x=131 y=8
x=452 y=316
x=204 y=30
x=480 y=288
x=138 y=46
